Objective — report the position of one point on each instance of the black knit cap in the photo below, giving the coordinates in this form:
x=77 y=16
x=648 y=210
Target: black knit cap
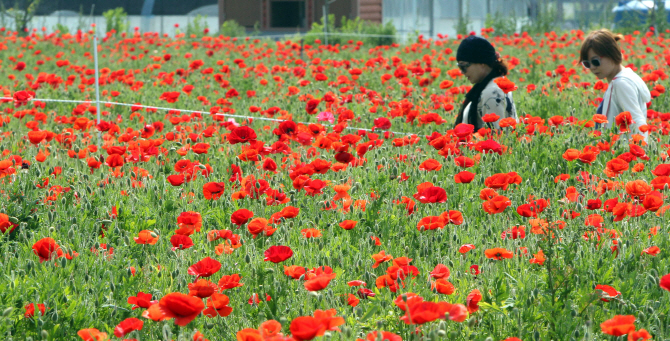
x=475 y=49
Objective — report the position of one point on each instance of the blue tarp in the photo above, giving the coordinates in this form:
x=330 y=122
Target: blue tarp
x=636 y=11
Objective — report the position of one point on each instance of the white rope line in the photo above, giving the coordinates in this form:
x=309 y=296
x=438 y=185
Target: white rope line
x=191 y=111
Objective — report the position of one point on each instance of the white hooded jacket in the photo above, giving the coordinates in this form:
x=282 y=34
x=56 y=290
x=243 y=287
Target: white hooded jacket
x=627 y=92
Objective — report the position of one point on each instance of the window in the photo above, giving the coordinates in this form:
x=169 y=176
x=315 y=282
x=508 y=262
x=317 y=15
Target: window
x=289 y=14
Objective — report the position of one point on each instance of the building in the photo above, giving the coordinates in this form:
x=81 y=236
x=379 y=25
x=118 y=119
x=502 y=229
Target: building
x=295 y=15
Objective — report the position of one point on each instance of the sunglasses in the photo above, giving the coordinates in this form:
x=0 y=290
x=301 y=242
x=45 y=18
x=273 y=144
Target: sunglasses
x=463 y=67
x=595 y=61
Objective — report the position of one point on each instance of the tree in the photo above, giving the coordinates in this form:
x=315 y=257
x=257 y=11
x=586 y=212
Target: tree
x=22 y=13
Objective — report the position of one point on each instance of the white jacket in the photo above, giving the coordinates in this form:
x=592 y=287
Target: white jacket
x=627 y=92
x=493 y=100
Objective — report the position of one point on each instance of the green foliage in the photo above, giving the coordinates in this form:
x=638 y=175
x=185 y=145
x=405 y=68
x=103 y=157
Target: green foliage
x=22 y=13
x=61 y=28
x=197 y=26
x=502 y=25
x=355 y=27
x=553 y=301
x=544 y=22
x=230 y=28
x=116 y=20
x=633 y=21
x=461 y=25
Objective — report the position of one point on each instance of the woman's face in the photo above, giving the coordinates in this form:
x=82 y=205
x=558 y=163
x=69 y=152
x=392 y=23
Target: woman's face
x=474 y=72
x=607 y=68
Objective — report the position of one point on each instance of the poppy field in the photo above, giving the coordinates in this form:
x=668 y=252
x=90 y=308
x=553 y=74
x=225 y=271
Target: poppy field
x=246 y=189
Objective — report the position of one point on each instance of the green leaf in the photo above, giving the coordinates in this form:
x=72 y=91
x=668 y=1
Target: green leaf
x=369 y=313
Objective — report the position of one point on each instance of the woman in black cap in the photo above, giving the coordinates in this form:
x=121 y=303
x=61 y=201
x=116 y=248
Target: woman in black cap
x=481 y=64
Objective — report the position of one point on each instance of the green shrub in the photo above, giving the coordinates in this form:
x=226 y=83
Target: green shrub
x=356 y=27
x=502 y=25
x=61 y=28
x=544 y=22
x=197 y=26
x=116 y=20
x=461 y=25
x=230 y=28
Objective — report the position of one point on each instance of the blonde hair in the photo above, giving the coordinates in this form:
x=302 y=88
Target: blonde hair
x=604 y=43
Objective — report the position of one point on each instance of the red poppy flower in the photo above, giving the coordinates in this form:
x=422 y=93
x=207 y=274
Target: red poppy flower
x=619 y=325
x=30 y=309
x=442 y=286
x=662 y=170
x=472 y=300
x=638 y=335
x=489 y=146
x=128 y=325
x=348 y=224
x=306 y=328
x=458 y=313
x=241 y=216
x=22 y=97
x=665 y=282
x=36 y=136
x=498 y=181
x=146 y=237
x=241 y=134
x=464 y=162
x=344 y=157
x=623 y=121
x=114 y=160
x=463 y=130
x=430 y=165
x=183 y=308
x=278 y=254
x=464 y=177
x=47 y=249
x=385 y=336
x=170 y=96
x=230 y=281
x=289 y=212
x=217 y=305
x=440 y=271
x=249 y=334
x=92 y=334
x=204 y=268
x=498 y=253
x=176 y=179
x=202 y=288
x=660 y=182
x=652 y=251
x=638 y=188
x=319 y=283
x=6 y=224
x=213 y=190
x=423 y=312
x=189 y=222
x=181 y=242
x=430 y=223
x=142 y=300
x=432 y=194
x=382 y=123
x=465 y=248
x=496 y=205
x=258 y=226
x=607 y=292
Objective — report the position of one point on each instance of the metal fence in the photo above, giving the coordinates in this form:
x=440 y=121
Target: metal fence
x=430 y=17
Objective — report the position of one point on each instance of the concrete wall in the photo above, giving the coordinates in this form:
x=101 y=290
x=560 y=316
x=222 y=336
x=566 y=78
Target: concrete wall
x=160 y=24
